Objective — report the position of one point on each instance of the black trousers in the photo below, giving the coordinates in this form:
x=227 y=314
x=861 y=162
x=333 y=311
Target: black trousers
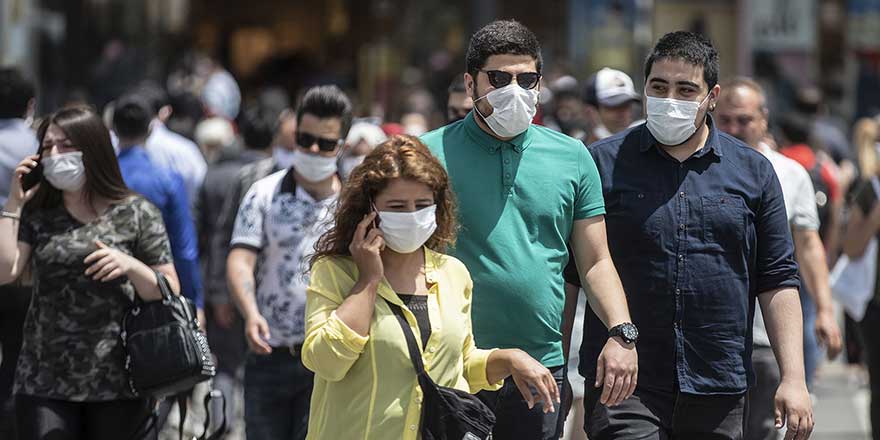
x=49 y=419
x=663 y=415
x=13 y=308
x=870 y=327
x=514 y=419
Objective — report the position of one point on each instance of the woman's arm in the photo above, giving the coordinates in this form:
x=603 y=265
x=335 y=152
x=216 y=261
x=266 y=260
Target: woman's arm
x=14 y=254
x=107 y=264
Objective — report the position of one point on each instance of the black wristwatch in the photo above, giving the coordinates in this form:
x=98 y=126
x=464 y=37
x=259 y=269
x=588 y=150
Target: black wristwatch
x=627 y=331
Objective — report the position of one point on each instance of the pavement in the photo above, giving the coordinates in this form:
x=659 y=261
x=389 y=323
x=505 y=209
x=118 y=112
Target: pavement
x=840 y=407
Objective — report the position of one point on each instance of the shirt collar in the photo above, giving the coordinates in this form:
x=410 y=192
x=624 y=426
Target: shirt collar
x=646 y=141
x=432 y=262
x=136 y=150
x=491 y=143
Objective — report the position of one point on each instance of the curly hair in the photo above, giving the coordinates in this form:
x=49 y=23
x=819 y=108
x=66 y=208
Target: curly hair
x=502 y=37
x=691 y=47
x=401 y=157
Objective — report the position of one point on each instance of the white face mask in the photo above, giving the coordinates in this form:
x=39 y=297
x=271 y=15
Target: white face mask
x=312 y=167
x=349 y=163
x=513 y=109
x=65 y=172
x=283 y=157
x=406 y=232
x=672 y=121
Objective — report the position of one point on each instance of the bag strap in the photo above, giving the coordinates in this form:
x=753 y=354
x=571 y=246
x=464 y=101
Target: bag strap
x=414 y=352
x=164 y=286
x=221 y=431
x=181 y=409
x=150 y=421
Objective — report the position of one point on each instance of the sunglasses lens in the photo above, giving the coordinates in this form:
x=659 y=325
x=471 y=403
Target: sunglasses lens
x=527 y=80
x=305 y=140
x=327 y=145
x=498 y=78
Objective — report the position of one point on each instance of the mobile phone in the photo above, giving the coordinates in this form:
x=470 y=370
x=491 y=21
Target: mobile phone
x=31 y=179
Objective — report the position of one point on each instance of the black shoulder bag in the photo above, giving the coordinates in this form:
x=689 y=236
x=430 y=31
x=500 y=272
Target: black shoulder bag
x=447 y=413
x=166 y=351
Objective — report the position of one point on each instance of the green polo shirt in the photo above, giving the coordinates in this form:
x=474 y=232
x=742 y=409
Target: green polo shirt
x=517 y=201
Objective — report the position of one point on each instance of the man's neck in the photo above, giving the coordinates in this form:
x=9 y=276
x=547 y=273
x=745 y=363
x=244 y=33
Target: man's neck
x=319 y=190
x=129 y=144
x=483 y=126
x=694 y=144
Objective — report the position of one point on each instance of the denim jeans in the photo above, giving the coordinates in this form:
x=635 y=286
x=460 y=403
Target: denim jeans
x=514 y=419
x=277 y=394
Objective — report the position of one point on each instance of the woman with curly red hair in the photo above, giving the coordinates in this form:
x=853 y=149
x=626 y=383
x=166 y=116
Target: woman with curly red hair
x=394 y=219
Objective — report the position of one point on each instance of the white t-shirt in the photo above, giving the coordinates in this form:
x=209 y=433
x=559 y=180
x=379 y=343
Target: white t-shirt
x=800 y=205
x=281 y=224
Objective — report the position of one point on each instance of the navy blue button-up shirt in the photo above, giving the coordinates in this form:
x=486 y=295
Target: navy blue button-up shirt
x=694 y=243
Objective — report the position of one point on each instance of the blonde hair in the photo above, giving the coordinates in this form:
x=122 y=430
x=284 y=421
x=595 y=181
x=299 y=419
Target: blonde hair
x=865 y=136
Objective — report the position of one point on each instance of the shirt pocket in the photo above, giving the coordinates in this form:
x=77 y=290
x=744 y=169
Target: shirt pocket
x=723 y=220
x=634 y=218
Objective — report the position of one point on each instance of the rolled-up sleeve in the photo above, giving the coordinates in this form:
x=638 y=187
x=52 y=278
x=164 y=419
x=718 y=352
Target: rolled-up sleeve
x=331 y=347
x=475 y=359
x=776 y=266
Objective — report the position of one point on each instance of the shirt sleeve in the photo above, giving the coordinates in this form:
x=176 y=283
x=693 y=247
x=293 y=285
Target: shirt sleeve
x=589 y=201
x=248 y=229
x=26 y=230
x=184 y=242
x=475 y=359
x=331 y=347
x=775 y=263
x=804 y=214
x=152 y=247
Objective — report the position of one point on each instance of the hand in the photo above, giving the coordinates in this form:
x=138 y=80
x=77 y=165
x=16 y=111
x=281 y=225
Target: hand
x=18 y=197
x=256 y=331
x=828 y=333
x=366 y=247
x=794 y=409
x=528 y=373
x=618 y=370
x=107 y=264
x=224 y=315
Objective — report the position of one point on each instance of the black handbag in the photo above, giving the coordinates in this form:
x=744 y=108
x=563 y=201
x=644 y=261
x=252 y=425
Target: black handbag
x=166 y=351
x=447 y=413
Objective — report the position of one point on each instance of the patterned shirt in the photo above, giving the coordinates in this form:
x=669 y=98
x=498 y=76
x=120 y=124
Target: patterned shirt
x=72 y=348
x=281 y=223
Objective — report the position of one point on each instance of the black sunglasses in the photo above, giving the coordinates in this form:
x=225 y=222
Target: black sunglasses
x=306 y=140
x=499 y=79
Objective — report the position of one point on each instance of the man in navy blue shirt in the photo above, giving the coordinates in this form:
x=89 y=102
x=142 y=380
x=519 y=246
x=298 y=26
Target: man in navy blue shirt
x=698 y=230
x=162 y=188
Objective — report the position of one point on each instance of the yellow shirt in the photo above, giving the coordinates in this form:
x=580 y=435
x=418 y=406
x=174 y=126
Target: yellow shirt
x=365 y=386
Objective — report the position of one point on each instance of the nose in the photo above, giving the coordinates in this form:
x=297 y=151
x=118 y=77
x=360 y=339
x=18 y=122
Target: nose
x=314 y=147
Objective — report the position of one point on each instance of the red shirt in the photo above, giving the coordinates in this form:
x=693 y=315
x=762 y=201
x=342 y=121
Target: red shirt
x=804 y=155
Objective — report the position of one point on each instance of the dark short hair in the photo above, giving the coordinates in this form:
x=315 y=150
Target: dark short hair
x=15 y=93
x=691 y=47
x=153 y=94
x=132 y=117
x=259 y=120
x=795 y=128
x=87 y=132
x=326 y=102
x=502 y=37
x=457 y=85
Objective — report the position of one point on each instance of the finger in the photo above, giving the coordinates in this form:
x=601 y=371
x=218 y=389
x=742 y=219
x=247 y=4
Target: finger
x=96 y=255
x=607 y=389
x=793 y=429
x=620 y=389
x=98 y=265
x=264 y=330
x=361 y=230
x=29 y=193
x=525 y=391
x=257 y=343
x=378 y=242
x=371 y=235
x=544 y=394
x=553 y=387
x=101 y=244
x=777 y=416
x=600 y=372
x=109 y=267
x=634 y=381
x=116 y=273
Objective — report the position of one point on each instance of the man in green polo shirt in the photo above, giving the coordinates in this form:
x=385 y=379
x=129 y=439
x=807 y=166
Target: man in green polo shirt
x=524 y=192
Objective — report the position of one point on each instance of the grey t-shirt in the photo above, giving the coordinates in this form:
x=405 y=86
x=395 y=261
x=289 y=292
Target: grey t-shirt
x=800 y=205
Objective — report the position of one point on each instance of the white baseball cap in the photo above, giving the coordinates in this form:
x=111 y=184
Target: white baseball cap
x=610 y=87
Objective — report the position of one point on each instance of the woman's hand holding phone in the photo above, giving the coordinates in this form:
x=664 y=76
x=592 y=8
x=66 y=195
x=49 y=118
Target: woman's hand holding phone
x=366 y=247
x=19 y=193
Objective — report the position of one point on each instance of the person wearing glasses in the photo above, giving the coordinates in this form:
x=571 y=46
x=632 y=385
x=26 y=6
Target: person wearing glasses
x=524 y=193
x=93 y=245
x=279 y=220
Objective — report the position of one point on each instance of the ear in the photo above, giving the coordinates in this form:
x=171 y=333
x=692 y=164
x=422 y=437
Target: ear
x=470 y=84
x=165 y=113
x=713 y=97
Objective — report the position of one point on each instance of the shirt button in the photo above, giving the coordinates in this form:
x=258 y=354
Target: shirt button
x=641 y=196
x=432 y=349
x=418 y=399
x=681 y=258
x=681 y=194
x=412 y=427
x=507 y=175
x=678 y=291
x=506 y=160
x=682 y=226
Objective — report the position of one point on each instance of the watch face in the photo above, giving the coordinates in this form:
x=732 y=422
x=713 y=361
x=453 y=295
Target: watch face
x=630 y=332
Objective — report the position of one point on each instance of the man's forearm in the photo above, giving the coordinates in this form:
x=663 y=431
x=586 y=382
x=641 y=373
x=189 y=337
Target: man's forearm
x=782 y=316
x=568 y=316
x=811 y=257
x=605 y=294
x=242 y=285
